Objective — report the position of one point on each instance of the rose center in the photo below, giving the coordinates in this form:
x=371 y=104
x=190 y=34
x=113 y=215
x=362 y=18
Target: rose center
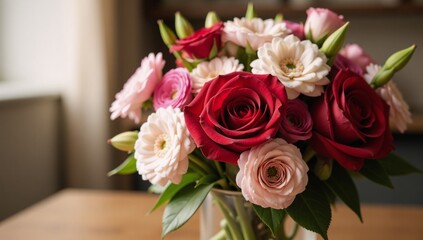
x=272 y=173
x=292 y=120
x=161 y=145
x=291 y=67
x=174 y=94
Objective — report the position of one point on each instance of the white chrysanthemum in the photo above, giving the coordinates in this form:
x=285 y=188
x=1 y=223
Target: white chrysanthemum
x=255 y=31
x=206 y=71
x=299 y=65
x=163 y=146
x=399 y=112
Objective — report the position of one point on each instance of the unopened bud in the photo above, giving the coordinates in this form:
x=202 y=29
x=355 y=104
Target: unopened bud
x=125 y=141
x=211 y=19
x=323 y=168
x=251 y=12
x=382 y=77
x=182 y=26
x=213 y=51
x=168 y=36
x=334 y=42
x=279 y=17
x=392 y=65
x=399 y=59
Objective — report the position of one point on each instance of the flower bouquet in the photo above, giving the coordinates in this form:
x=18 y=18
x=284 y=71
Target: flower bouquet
x=281 y=114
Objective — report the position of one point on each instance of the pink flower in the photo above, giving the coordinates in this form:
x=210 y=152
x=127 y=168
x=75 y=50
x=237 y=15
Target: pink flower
x=174 y=90
x=321 y=23
x=343 y=63
x=138 y=89
x=357 y=55
x=272 y=174
x=296 y=124
x=296 y=28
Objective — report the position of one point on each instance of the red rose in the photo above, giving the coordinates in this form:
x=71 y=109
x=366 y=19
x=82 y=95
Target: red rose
x=351 y=122
x=235 y=112
x=200 y=43
x=296 y=123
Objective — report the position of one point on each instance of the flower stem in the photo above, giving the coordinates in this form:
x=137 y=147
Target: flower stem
x=227 y=231
x=197 y=168
x=245 y=222
x=231 y=181
x=308 y=154
x=221 y=235
x=201 y=163
x=232 y=225
x=219 y=168
x=222 y=182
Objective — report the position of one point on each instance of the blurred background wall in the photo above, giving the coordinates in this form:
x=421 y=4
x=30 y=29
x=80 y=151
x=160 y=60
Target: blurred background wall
x=61 y=62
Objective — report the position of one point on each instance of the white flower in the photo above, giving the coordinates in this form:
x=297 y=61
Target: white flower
x=299 y=65
x=163 y=146
x=254 y=31
x=399 y=112
x=206 y=71
x=272 y=174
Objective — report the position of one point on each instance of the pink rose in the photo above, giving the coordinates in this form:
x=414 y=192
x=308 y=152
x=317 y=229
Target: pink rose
x=174 y=90
x=357 y=55
x=321 y=23
x=296 y=28
x=235 y=112
x=200 y=43
x=138 y=88
x=296 y=123
x=272 y=174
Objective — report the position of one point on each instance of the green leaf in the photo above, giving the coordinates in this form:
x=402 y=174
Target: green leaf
x=213 y=51
x=311 y=208
x=172 y=189
x=129 y=166
x=342 y=184
x=394 y=165
x=206 y=180
x=374 y=171
x=271 y=217
x=182 y=206
x=330 y=194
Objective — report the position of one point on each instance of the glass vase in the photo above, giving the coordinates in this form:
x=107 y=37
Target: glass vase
x=227 y=215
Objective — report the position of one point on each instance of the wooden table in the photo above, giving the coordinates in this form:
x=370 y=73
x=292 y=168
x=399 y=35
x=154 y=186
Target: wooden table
x=118 y=215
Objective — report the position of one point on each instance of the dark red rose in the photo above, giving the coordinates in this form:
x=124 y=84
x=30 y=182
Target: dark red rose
x=351 y=122
x=200 y=43
x=235 y=112
x=296 y=122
